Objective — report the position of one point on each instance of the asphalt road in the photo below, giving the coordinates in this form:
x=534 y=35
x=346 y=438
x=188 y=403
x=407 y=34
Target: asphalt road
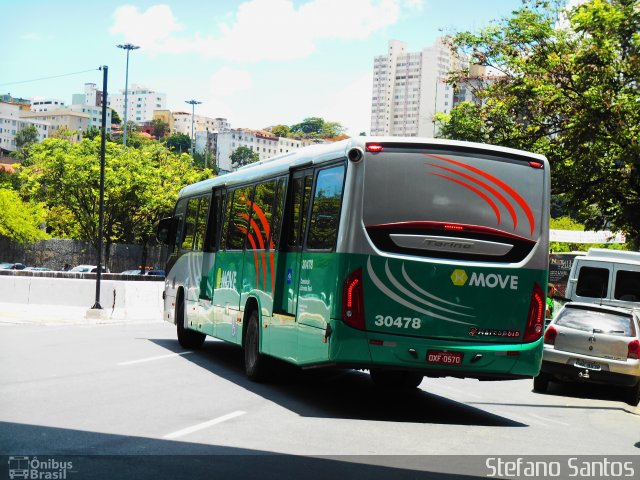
x=129 y=397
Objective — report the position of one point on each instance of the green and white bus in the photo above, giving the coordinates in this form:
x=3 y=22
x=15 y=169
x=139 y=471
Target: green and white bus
x=406 y=257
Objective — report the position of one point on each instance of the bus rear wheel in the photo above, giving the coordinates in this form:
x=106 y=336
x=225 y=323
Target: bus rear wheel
x=396 y=379
x=541 y=382
x=254 y=362
x=186 y=338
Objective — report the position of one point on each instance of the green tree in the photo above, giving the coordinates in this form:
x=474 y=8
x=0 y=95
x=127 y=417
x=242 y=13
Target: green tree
x=20 y=221
x=243 y=156
x=115 y=118
x=179 y=142
x=26 y=137
x=316 y=127
x=570 y=93
x=138 y=182
x=281 y=131
x=159 y=128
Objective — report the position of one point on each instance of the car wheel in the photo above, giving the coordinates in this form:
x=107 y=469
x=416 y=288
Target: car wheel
x=396 y=379
x=187 y=338
x=633 y=395
x=541 y=383
x=254 y=362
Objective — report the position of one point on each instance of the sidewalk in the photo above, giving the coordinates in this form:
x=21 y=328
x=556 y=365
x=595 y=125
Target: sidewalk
x=16 y=313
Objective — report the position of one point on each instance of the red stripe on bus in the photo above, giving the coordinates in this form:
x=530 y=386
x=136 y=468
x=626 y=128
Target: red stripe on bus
x=492 y=190
x=478 y=192
x=497 y=181
x=255 y=254
x=256 y=229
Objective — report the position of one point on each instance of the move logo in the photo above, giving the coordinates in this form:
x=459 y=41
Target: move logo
x=492 y=280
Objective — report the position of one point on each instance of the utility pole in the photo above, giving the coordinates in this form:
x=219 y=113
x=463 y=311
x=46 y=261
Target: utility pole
x=193 y=104
x=105 y=74
x=128 y=47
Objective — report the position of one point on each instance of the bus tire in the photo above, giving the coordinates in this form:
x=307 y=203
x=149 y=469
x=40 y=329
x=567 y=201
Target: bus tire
x=186 y=338
x=541 y=382
x=254 y=362
x=396 y=379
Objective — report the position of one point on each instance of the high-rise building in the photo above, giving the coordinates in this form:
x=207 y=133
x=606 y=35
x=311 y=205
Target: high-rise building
x=141 y=103
x=409 y=88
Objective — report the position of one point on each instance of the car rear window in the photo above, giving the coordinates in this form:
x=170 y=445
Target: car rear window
x=596 y=320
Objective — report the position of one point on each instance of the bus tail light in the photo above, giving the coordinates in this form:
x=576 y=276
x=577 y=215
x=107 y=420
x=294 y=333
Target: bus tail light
x=550 y=336
x=353 y=300
x=374 y=147
x=535 y=320
x=633 y=349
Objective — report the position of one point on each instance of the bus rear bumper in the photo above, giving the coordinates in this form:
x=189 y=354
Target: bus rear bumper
x=462 y=359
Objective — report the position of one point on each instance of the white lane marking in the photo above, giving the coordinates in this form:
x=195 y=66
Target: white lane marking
x=548 y=419
x=201 y=426
x=151 y=359
x=461 y=392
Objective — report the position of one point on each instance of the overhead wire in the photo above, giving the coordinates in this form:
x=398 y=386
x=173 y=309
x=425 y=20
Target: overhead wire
x=48 y=78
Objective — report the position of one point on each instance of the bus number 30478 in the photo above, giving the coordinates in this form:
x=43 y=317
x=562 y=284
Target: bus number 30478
x=399 y=322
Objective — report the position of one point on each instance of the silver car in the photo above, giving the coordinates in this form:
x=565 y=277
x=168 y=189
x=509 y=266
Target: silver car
x=587 y=342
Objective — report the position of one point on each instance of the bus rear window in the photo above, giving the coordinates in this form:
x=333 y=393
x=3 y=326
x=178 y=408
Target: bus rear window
x=453 y=204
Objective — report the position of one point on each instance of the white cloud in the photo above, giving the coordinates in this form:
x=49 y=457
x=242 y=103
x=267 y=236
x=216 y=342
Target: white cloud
x=148 y=29
x=261 y=29
x=351 y=106
x=228 y=81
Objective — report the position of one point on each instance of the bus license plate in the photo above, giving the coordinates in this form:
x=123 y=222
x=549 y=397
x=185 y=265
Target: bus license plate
x=588 y=365
x=444 y=358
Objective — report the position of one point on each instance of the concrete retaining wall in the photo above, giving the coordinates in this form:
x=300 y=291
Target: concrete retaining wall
x=120 y=299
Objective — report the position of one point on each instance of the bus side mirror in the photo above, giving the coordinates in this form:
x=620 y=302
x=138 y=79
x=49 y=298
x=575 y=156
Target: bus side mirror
x=166 y=231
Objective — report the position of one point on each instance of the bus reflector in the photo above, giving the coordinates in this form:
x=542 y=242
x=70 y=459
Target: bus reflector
x=374 y=147
x=535 y=320
x=353 y=301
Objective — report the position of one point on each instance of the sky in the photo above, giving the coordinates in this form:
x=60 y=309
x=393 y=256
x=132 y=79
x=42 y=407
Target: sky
x=255 y=62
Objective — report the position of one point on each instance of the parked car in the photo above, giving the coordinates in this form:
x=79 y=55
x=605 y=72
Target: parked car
x=131 y=272
x=12 y=266
x=39 y=269
x=587 y=342
x=158 y=273
x=88 y=269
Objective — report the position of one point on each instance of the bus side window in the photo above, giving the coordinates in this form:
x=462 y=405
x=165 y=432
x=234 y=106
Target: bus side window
x=201 y=224
x=260 y=227
x=278 y=208
x=190 y=220
x=325 y=212
x=213 y=225
x=225 y=219
x=300 y=203
x=239 y=218
x=179 y=213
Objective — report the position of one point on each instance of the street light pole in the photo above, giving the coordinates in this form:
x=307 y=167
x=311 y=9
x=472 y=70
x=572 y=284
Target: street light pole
x=193 y=104
x=128 y=47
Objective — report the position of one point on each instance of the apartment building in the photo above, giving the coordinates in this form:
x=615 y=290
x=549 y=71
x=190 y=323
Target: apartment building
x=12 y=121
x=409 y=88
x=77 y=122
x=141 y=101
x=182 y=122
x=264 y=143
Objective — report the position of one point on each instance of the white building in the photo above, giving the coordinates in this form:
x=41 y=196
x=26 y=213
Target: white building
x=141 y=103
x=264 y=143
x=409 y=88
x=95 y=115
x=46 y=104
x=11 y=122
x=182 y=122
x=91 y=96
x=77 y=122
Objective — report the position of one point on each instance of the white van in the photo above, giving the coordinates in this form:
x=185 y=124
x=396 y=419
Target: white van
x=609 y=277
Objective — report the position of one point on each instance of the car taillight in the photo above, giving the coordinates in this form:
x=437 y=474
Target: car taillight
x=633 y=349
x=550 y=336
x=353 y=300
x=535 y=321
